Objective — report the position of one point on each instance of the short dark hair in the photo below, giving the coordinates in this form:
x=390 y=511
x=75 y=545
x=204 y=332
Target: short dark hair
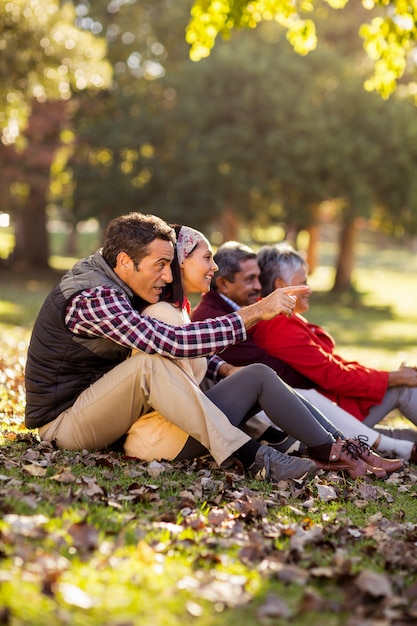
x=132 y=233
x=173 y=292
x=279 y=260
x=228 y=257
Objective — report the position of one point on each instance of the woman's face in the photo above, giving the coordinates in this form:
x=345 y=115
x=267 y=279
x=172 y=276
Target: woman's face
x=198 y=269
x=300 y=278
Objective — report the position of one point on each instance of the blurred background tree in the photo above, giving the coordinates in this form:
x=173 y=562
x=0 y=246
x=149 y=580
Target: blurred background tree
x=45 y=60
x=250 y=137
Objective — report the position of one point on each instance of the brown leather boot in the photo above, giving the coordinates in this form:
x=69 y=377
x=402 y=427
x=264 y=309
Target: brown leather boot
x=342 y=456
x=365 y=453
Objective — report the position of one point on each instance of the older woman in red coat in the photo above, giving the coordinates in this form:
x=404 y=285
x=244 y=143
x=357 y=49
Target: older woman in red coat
x=369 y=394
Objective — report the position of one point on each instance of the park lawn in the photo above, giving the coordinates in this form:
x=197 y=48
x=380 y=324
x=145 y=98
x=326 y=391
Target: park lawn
x=96 y=539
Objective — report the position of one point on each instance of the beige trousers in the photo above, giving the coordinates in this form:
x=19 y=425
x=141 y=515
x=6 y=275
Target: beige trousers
x=108 y=408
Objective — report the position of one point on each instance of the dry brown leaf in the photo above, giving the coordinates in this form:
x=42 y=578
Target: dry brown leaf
x=64 y=476
x=217 y=517
x=34 y=470
x=84 y=536
x=303 y=537
x=291 y=574
x=374 y=584
x=26 y=524
x=326 y=492
x=93 y=488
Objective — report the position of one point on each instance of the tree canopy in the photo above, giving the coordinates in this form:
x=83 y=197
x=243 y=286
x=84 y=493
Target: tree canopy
x=389 y=35
x=253 y=135
x=253 y=130
x=44 y=56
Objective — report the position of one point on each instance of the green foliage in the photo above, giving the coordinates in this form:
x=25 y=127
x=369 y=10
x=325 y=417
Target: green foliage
x=208 y=19
x=44 y=55
x=388 y=38
x=253 y=129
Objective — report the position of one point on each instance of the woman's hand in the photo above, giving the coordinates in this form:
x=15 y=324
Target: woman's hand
x=227 y=370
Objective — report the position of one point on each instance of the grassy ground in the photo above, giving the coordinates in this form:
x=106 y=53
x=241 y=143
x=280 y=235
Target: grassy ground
x=94 y=539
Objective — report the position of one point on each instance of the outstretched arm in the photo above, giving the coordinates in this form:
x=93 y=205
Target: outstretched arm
x=280 y=301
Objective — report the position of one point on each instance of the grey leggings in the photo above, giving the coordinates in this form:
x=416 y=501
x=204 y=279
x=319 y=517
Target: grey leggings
x=257 y=387
x=402 y=398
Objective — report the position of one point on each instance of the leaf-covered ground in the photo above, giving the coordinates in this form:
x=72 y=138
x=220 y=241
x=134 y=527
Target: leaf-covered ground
x=95 y=538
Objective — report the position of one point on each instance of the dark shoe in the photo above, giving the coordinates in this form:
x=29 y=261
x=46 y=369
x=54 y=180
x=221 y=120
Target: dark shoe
x=274 y=466
x=342 y=456
x=370 y=457
x=285 y=445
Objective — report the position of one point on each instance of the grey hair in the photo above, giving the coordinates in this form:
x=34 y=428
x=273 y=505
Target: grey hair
x=228 y=257
x=279 y=260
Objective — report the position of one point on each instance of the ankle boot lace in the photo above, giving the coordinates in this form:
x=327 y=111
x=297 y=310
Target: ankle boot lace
x=352 y=448
x=360 y=445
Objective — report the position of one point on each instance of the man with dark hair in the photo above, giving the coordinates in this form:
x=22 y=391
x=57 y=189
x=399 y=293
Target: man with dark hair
x=85 y=388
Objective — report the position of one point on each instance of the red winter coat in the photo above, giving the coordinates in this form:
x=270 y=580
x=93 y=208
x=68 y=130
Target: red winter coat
x=310 y=350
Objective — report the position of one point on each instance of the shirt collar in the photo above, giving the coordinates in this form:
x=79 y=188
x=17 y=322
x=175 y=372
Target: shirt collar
x=232 y=303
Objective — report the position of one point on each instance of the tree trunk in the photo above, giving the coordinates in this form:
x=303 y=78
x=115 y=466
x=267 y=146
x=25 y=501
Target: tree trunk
x=34 y=228
x=229 y=225
x=71 y=242
x=312 y=249
x=346 y=259
x=32 y=166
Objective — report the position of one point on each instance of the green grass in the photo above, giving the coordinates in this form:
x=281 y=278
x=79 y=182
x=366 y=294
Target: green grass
x=377 y=326
x=22 y=298
x=119 y=545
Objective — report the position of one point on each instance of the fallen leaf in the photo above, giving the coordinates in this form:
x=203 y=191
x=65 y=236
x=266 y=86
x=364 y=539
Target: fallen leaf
x=84 y=536
x=374 y=584
x=25 y=524
x=326 y=492
x=34 y=470
x=64 y=476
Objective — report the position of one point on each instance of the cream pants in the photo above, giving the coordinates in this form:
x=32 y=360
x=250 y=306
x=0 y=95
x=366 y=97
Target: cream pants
x=106 y=410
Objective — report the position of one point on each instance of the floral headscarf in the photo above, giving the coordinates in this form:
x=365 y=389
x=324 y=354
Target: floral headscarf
x=187 y=239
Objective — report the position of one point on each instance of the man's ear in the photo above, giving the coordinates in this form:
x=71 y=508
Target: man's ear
x=279 y=283
x=221 y=284
x=123 y=262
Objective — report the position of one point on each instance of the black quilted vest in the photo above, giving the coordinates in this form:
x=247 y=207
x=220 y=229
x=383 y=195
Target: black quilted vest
x=60 y=365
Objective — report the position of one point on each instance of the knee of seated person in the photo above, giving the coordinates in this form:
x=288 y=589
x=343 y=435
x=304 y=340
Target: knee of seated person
x=260 y=369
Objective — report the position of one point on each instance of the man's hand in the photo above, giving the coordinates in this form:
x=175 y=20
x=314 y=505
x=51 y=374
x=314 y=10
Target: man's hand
x=405 y=376
x=280 y=301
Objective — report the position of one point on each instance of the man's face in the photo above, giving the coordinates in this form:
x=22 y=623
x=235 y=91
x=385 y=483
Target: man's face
x=246 y=288
x=153 y=272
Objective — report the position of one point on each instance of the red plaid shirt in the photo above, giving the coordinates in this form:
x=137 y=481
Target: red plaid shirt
x=106 y=312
